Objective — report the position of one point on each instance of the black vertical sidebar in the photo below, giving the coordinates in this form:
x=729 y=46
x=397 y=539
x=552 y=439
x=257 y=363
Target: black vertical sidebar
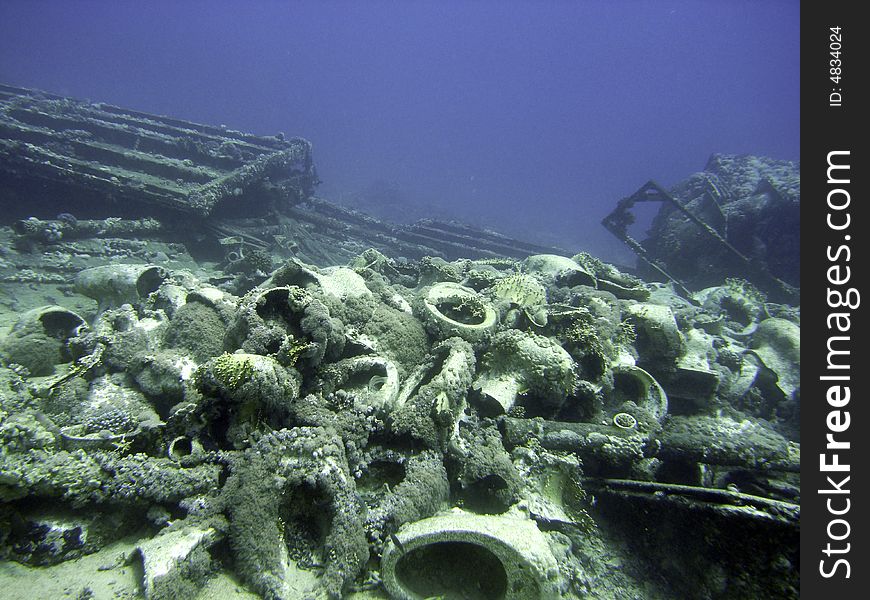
x=835 y=420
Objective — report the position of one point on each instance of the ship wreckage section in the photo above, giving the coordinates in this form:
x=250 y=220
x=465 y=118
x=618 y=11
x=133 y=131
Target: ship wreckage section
x=330 y=406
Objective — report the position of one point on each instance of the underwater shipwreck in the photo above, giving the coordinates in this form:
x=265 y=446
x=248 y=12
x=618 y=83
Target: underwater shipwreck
x=216 y=383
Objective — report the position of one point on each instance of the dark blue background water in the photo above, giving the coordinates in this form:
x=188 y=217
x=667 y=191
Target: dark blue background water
x=532 y=117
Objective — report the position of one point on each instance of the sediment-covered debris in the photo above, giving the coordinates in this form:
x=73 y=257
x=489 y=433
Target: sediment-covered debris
x=354 y=427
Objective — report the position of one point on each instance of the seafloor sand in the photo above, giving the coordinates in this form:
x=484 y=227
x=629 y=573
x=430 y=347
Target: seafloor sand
x=110 y=576
x=107 y=574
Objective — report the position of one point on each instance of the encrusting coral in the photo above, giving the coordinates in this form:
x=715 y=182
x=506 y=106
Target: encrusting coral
x=275 y=493
x=524 y=363
x=524 y=293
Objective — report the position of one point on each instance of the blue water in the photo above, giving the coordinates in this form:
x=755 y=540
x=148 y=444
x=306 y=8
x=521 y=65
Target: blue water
x=533 y=118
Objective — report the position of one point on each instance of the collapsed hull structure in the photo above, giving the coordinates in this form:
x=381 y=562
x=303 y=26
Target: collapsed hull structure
x=59 y=155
